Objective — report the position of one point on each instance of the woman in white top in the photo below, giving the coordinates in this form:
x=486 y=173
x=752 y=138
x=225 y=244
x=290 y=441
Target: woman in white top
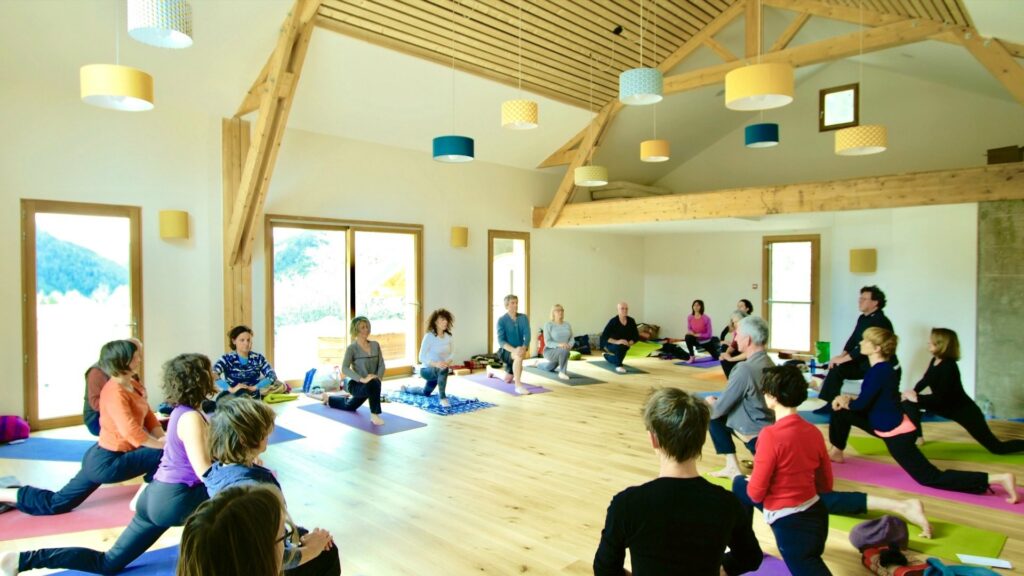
x=557 y=343
x=436 y=353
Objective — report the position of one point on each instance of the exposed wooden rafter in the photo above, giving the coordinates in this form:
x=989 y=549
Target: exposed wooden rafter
x=994 y=56
x=989 y=183
x=275 y=94
x=752 y=29
x=790 y=32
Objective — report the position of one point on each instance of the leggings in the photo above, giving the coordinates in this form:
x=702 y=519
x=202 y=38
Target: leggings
x=969 y=416
x=712 y=345
x=436 y=378
x=360 y=393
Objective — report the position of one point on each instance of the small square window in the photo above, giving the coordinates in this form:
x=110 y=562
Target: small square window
x=839 y=107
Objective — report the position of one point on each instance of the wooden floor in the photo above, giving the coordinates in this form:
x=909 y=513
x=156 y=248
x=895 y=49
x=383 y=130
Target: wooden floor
x=518 y=488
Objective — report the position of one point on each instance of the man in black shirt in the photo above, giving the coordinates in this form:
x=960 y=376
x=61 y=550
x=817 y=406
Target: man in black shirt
x=619 y=334
x=678 y=523
x=851 y=364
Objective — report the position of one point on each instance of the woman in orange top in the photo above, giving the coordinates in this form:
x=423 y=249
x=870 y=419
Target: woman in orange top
x=131 y=440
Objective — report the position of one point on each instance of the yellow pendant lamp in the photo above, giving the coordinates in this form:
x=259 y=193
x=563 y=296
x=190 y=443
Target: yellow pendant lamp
x=867 y=138
x=655 y=150
x=114 y=86
x=759 y=86
x=519 y=114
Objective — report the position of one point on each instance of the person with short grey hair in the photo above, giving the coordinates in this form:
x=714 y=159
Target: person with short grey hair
x=731 y=355
x=741 y=410
x=513 y=343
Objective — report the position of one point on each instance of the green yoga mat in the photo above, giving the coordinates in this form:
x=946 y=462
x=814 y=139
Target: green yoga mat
x=959 y=451
x=948 y=539
x=642 y=349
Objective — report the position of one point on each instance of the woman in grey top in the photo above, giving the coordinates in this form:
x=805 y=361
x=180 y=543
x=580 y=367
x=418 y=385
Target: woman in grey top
x=363 y=367
x=557 y=343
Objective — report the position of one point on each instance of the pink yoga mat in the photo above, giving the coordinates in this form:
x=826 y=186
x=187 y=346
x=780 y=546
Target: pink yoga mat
x=105 y=508
x=892 y=476
x=500 y=385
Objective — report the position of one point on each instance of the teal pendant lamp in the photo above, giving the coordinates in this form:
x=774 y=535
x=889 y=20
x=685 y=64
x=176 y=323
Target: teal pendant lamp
x=453 y=148
x=763 y=135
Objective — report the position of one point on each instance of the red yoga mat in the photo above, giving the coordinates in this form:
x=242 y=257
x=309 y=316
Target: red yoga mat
x=105 y=508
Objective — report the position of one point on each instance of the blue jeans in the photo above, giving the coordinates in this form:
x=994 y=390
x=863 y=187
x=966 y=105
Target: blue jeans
x=99 y=466
x=800 y=537
x=436 y=378
x=615 y=353
x=160 y=507
x=721 y=437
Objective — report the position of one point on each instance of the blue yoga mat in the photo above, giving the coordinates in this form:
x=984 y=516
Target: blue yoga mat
x=162 y=562
x=282 y=434
x=432 y=403
x=49 y=449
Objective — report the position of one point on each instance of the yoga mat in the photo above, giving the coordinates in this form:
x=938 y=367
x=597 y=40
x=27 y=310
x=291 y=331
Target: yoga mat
x=629 y=369
x=574 y=379
x=701 y=362
x=50 y=449
x=642 y=349
x=712 y=376
x=959 y=451
x=162 y=562
x=947 y=539
x=892 y=476
x=282 y=434
x=498 y=384
x=771 y=566
x=104 y=508
x=432 y=403
x=360 y=420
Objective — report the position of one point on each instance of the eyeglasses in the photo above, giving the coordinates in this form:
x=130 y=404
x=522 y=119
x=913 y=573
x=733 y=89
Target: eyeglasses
x=291 y=535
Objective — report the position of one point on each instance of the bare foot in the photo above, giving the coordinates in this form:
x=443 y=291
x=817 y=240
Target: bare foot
x=1009 y=483
x=727 y=472
x=913 y=511
x=836 y=455
x=522 y=390
x=508 y=378
x=325 y=398
x=376 y=419
x=8 y=563
x=446 y=403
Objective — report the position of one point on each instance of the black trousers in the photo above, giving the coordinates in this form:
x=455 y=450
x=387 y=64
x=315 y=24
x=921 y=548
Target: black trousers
x=360 y=393
x=905 y=452
x=727 y=366
x=833 y=383
x=966 y=414
x=713 y=345
x=328 y=563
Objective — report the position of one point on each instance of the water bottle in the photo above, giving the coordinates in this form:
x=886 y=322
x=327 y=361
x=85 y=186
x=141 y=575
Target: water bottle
x=813 y=366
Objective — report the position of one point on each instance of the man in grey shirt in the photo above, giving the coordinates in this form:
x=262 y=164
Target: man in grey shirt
x=741 y=410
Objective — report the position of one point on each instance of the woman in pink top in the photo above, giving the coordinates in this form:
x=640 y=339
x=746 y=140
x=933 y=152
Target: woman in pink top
x=699 y=332
x=175 y=492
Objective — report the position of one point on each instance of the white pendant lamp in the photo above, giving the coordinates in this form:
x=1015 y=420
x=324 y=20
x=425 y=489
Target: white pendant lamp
x=519 y=114
x=865 y=139
x=591 y=175
x=641 y=86
x=453 y=148
x=161 y=23
x=114 y=86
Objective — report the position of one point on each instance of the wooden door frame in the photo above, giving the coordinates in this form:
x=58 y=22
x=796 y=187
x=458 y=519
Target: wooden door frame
x=815 y=240
x=510 y=235
x=30 y=366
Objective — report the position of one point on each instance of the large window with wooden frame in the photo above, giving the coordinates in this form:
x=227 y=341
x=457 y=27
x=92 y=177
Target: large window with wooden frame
x=81 y=288
x=791 y=269
x=322 y=273
x=508 y=272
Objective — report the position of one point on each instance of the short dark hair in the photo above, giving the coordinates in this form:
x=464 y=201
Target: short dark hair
x=237 y=429
x=750 y=307
x=116 y=357
x=187 y=380
x=678 y=420
x=786 y=384
x=236 y=332
x=233 y=534
x=876 y=294
x=432 y=322
x=698 y=301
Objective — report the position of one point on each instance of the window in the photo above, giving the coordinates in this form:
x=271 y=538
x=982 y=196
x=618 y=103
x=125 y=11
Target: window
x=839 y=107
x=82 y=287
x=791 y=269
x=322 y=273
x=508 y=272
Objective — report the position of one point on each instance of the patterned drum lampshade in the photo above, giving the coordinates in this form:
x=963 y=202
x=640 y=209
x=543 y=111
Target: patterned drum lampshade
x=640 y=86
x=590 y=176
x=160 y=23
x=519 y=114
x=862 y=140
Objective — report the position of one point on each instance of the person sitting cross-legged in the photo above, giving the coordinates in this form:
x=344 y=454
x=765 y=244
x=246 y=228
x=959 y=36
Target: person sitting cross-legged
x=618 y=335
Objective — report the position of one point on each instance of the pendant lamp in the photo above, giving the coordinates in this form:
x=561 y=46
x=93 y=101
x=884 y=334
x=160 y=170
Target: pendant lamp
x=519 y=114
x=161 y=23
x=655 y=150
x=867 y=138
x=759 y=86
x=641 y=86
x=114 y=86
x=590 y=175
x=763 y=135
x=453 y=148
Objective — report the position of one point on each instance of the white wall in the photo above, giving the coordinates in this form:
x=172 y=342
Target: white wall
x=927 y=266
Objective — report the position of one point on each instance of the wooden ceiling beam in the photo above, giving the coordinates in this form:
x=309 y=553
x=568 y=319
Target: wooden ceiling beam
x=835 y=12
x=752 y=29
x=287 y=58
x=996 y=59
x=1016 y=50
x=874 y=39
x=565 y=189
x=790 y=32
x=724 y=53
x=985 y=184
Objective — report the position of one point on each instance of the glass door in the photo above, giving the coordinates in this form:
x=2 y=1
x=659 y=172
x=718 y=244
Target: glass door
x=82 y=289
x=791 y=289
x=508 y=272
x=386 y=292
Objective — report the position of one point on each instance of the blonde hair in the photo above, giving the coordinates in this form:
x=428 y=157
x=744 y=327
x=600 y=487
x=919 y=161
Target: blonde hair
x=238 y=428
x=947 y=344
x=884 y=339
x=556 y=307
x=353 y=328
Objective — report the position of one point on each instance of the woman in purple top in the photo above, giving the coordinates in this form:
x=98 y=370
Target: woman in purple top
x=176 y=490
x=699 y=333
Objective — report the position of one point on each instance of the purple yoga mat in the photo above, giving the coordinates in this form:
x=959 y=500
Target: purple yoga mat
x=771 y=566
x=498 y=384
x=702 y=362
x=892 y=476
x=360 y=419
